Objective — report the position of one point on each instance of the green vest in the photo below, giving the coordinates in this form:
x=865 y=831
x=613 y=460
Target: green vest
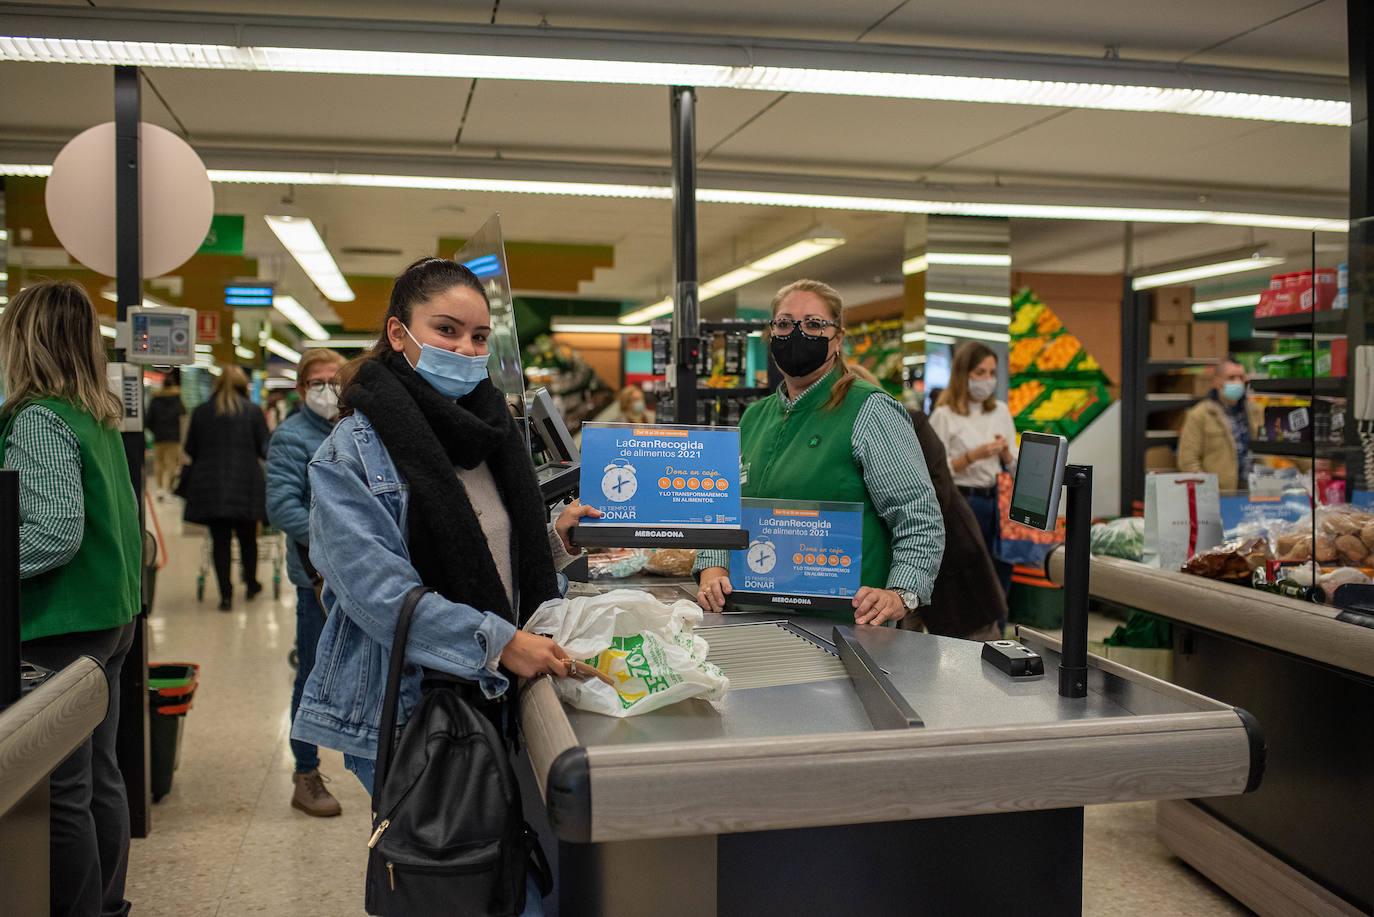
x=101 y=586
x=807 y=453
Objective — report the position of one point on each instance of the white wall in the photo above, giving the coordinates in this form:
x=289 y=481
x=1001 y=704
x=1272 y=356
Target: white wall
x=1099 y=445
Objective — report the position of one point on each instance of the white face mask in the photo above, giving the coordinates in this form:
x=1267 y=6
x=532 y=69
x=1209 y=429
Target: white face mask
x=981 y=389
x=324 y=402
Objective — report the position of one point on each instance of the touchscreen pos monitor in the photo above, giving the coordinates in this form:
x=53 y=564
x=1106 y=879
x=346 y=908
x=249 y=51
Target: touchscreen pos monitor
x=1039 y=479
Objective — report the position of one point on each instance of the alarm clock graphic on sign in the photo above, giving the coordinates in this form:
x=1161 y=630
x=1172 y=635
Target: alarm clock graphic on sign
x=762 y=556
x=618 y=483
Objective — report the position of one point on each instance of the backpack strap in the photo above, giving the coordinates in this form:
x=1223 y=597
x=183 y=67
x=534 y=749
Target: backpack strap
x=386 y=731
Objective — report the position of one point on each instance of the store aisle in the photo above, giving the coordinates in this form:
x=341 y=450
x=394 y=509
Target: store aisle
x=226 y=841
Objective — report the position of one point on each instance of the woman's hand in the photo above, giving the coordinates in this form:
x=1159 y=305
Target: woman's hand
x=1004 y=450
x=713 y=588
x=528 y=655
x=874 y=606
x=987 y=450
x=563 y=525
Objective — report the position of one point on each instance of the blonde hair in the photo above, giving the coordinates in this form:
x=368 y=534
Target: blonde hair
x=229 y=390
x=317 y=355
x=831 y=297
x=50 y=347
x=955 y=395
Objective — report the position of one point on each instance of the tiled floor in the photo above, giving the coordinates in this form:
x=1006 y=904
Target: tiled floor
x=225 y=841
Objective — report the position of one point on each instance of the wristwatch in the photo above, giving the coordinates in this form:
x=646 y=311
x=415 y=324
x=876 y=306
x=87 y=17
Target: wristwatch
x=911 y=600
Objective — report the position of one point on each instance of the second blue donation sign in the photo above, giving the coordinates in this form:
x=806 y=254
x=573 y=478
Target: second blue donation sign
x=664 y=475
x=800 y=548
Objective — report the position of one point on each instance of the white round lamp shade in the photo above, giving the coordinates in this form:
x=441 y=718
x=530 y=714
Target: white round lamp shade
x=177 y=199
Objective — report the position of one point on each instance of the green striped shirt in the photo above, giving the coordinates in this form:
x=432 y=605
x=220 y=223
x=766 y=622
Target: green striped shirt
x=52 y=503
x=894 y=471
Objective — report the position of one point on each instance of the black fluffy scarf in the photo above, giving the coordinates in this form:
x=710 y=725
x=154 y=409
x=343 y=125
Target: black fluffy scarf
x=428 y=434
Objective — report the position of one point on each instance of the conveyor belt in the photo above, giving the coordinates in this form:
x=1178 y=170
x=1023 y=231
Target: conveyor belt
x=768 y=654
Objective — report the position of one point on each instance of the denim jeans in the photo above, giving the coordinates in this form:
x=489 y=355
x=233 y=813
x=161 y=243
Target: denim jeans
x=88 y=808
x=365 y=769
x=309 y=623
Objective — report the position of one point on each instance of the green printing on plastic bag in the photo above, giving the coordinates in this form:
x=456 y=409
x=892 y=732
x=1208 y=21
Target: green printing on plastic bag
x=633 y=664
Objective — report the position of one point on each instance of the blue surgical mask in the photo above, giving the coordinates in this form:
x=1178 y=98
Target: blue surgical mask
x=449 y=373
x=1233 y=391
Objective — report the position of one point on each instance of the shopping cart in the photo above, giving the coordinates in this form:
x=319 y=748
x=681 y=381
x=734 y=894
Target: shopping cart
x=271 y=550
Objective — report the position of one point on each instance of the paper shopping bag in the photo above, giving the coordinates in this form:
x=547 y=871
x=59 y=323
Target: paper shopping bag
x=1182 y=517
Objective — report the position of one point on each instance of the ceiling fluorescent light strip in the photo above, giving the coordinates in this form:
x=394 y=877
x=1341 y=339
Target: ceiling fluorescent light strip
x=939 y=339
x=932 y=331
x=299 y=237
x=339 y=342
x=286 y=353
x=818 y=242
x=1231 y=302
x=297 y=315
x=911 y=337
x=759 y=198
x=1189 y=274
x=978 y=318
x=244 y=353
x=915 y=265
x=968 y=259
x=574 y=327
x=968 y=299
x=939 y=87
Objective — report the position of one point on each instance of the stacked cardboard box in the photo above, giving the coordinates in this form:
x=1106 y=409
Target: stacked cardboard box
x=1173 y=333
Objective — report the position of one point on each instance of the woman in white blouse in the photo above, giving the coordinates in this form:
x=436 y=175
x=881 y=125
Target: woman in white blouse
x=979 y=438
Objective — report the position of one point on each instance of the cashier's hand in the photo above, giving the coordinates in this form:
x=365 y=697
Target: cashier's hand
x=874 y=606
x=563 y=525
x=714 y=587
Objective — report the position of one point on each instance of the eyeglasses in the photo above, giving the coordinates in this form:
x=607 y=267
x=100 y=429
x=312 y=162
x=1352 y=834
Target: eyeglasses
x=320 y=385
x=782 y=327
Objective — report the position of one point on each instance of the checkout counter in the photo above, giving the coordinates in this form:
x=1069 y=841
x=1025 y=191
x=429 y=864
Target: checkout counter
x=1302 y=843
x=784 y=797
x=37 y=732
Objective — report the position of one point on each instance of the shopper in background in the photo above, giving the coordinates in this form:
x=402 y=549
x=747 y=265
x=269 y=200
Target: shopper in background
x=1217 y=430
x=80 y=563
x=827 y=435
x=426 y=481
x=979 y=439
x=163 y=420
x=227 y=442
x=632 y=408
x=932 y=399
x=292 y=447
x=276 y=409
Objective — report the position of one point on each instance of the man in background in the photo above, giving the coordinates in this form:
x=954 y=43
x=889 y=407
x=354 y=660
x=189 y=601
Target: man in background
x=1216 y=433
x=163 y=420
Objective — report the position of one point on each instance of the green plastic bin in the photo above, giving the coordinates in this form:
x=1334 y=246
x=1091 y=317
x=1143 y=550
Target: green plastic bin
x=171 y=690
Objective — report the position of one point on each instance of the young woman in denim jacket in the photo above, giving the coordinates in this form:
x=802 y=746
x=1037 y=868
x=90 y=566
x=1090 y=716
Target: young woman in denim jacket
x=427 y=481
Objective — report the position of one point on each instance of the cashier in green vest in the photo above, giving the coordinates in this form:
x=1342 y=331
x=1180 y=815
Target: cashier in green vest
x=80 y=564
x=827 y=435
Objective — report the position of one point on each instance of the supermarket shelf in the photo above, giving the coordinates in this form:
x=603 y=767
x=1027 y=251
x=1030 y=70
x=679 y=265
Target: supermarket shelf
x=1296 y=450
x=1327 y=320
x=1331 y=386
x=1165 y=401
x=1160 y=366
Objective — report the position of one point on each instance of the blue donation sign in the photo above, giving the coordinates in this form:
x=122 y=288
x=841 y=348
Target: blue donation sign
x=661 y=475
x=798 y=547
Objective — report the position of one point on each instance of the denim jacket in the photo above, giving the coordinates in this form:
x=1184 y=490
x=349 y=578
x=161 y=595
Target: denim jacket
x=288 y=489
x=358 y=533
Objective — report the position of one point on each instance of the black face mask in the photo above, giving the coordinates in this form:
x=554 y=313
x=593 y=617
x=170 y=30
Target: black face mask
x=799 y=354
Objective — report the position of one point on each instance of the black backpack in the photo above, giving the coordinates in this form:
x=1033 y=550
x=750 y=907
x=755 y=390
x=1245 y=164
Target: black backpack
x=448 y=832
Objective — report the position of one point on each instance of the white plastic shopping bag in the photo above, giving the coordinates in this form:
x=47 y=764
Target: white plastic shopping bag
x=646 y=647
x=1182 y=517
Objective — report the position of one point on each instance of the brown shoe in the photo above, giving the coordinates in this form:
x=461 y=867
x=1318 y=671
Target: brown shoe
x=312 y=798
